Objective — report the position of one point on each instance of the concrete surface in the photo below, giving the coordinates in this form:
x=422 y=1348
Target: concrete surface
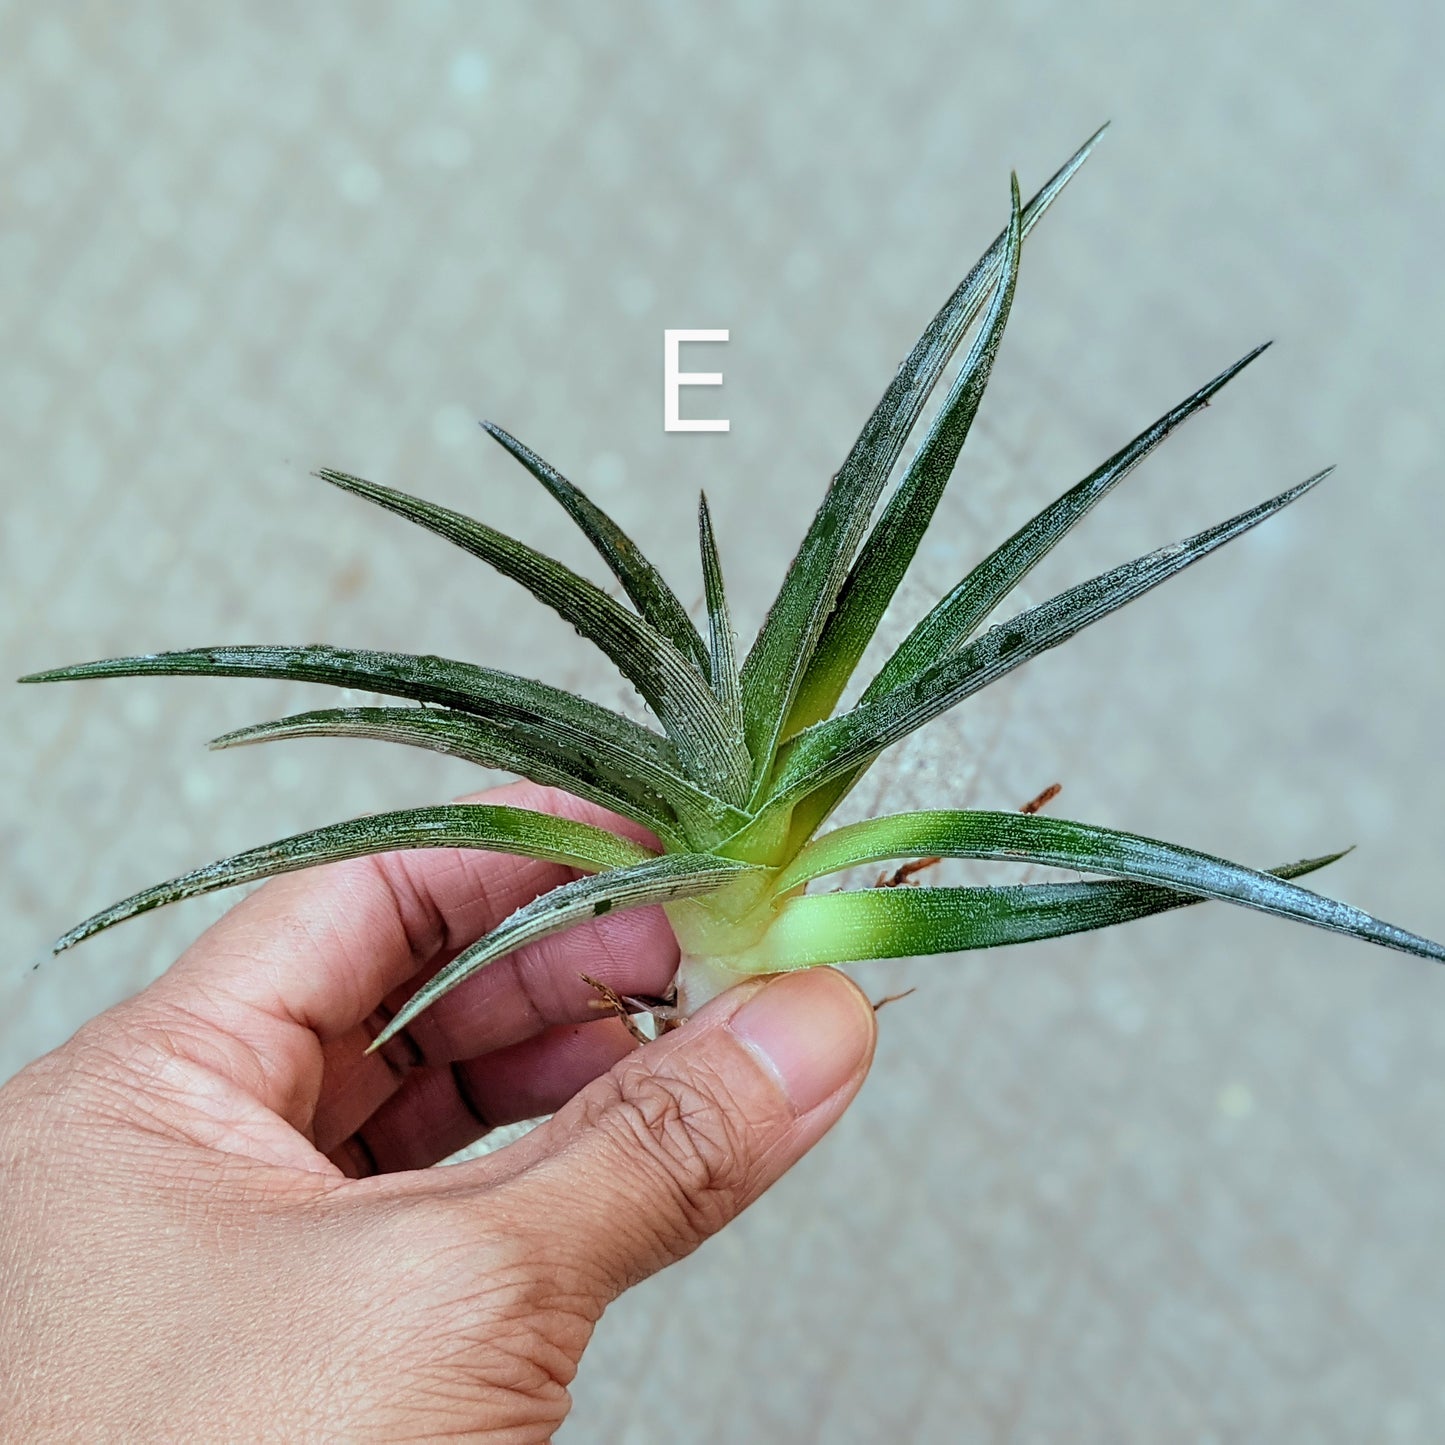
x=1177 y=1182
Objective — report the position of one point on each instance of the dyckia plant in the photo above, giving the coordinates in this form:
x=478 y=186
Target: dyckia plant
x=752 y=758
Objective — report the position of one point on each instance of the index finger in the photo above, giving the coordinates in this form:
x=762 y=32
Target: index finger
x=308 y=957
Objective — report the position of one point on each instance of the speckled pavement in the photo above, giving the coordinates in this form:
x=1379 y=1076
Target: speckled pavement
x=1177 y=1182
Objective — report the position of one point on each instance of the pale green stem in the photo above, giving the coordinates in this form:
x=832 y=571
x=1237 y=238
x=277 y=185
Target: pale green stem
x=722 y=938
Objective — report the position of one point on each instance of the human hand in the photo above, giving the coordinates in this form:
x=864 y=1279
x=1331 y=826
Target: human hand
x=189 y=1249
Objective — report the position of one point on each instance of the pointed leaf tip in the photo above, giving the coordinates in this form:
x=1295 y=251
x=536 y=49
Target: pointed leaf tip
x=851 y=740
x=950 y=623
x=722 y=659
x=776 y=665
x=669 y=679
x=889 y=548
x=1229 y=373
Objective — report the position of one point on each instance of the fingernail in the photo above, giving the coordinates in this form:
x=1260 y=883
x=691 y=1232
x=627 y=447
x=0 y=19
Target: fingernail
x=812 y=1031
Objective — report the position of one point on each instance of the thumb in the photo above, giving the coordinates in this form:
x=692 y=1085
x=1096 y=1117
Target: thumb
x=682 y=1135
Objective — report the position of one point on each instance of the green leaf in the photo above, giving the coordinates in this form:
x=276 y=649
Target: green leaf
x=423 y=677
x=1058 y=843
x=844 y=744
x=568 y=721
x=671 y=683
x=642 y=582
x=784 y=646
x=949 y=625
x=597 y=775
x=658 y=880
x=825 y=928
x=891 y=545
x=723 y=666
x=455 y=825
x=954 y=619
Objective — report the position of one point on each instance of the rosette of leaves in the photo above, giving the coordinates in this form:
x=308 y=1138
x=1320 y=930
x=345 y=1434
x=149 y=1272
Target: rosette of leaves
x=751 y=756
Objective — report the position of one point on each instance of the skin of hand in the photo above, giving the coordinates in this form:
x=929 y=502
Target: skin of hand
x=216 y=1216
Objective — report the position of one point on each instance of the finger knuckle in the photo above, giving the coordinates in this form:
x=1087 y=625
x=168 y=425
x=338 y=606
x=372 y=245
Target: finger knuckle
x=685 y=1135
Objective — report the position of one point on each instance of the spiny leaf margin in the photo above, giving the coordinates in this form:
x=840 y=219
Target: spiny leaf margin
x=671 y=683
x=950 y=623
x=488 y=826
x=891 y=544
x=1061 y=843
x=827 y=928
x=784 y=645
x=853 y=739
x=487 y=742
x=642 y=582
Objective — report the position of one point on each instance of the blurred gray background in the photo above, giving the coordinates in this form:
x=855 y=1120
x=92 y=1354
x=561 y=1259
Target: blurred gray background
x=1180 y=1181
